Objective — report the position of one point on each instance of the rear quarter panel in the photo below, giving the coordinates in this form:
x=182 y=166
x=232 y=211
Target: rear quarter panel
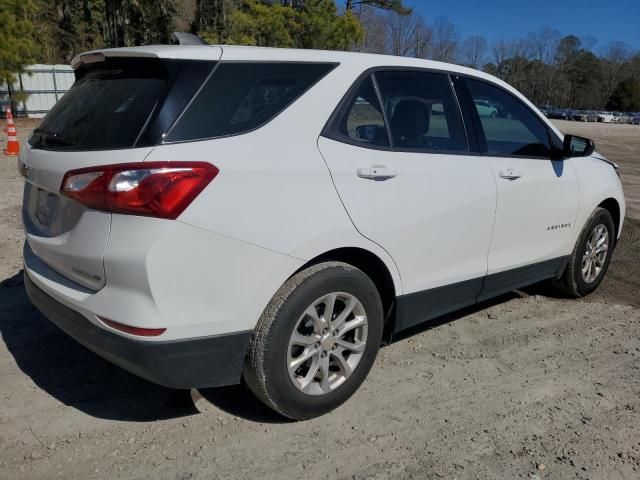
x=274 y=190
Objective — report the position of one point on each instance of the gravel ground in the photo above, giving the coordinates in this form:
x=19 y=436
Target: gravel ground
x=526 y=386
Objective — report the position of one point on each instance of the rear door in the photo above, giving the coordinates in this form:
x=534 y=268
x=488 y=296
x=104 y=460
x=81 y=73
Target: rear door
x=537 y=197
x=399 y=157
x=116 y=112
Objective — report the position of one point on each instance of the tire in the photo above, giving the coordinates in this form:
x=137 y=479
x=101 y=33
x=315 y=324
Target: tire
x=273 y=348
x=573 y=282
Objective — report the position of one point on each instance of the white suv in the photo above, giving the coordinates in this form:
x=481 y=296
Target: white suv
x=201 y=215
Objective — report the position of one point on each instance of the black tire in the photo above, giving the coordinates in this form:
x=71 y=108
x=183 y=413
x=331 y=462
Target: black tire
x=265 y=370
x=572 y=282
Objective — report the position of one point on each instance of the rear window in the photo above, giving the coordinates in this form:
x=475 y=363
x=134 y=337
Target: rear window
x=240 y=97
x=120 y=103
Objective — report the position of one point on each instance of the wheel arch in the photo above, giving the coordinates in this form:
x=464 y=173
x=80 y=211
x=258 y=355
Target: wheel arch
x=612 y=205
x=374 y=267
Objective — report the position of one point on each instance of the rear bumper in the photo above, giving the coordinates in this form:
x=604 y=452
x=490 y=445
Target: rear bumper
x=192 y=363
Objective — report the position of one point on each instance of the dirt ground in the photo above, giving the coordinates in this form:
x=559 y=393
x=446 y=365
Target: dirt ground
x=527 y=386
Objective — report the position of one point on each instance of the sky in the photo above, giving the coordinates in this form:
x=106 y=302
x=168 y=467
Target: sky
x=605 y=20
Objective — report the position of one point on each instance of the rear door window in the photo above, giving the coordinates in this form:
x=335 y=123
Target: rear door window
x=120 y=103
x=422 y=110
x=240 y=97
x=363 y=122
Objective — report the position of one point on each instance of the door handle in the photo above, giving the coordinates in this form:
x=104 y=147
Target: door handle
x=377 y=173
x=510 y=174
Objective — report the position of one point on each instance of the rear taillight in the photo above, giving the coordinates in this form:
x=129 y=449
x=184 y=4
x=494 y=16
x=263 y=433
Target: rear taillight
x=152 y=189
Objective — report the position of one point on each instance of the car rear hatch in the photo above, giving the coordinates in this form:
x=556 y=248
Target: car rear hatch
x=122 y=103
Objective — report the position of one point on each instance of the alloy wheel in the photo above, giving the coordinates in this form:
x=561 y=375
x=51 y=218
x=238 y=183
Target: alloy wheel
x=327 y=343
x=595 y=254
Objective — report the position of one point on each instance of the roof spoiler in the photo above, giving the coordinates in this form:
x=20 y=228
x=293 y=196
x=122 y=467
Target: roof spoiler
x=182 y=38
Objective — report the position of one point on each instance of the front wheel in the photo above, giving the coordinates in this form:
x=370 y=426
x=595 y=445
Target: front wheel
x=590 y=258
x=316 y=341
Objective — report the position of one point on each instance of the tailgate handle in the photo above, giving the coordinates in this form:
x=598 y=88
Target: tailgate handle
x=377 y=173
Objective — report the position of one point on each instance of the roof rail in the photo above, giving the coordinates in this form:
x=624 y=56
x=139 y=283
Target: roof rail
x=182 y=38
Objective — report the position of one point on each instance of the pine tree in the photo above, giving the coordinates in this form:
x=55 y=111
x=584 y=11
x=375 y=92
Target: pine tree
x=17 y=38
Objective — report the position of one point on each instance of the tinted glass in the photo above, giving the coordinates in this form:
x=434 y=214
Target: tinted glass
x=422 y=111
x=120 y=103
x=363 y=121
x=240 y=97
x=510 y=128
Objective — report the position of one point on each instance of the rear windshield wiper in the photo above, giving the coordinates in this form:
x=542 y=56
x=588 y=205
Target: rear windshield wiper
x=53 y=138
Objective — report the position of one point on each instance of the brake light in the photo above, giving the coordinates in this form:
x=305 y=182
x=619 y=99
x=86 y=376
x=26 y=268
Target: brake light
x=152 y=189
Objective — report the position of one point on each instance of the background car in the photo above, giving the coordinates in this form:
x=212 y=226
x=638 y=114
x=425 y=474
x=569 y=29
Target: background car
x=636 y=118
x=626 y=117
x=486 y=109
x=577 y=115
x=605 y=117
x=545 y=109
x=585 y=115
x=559 y=114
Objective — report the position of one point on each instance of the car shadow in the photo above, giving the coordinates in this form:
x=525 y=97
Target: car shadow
x=457 y=315
x=75 y=376
x=237 y=400
x=80 y=379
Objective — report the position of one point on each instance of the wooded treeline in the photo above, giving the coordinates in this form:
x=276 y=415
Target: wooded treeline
x=549 y=68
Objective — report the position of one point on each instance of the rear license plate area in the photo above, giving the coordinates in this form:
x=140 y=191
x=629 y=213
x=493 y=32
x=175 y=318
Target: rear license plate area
x=43 y=209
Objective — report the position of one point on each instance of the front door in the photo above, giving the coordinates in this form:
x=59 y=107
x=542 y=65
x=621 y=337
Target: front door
x=537 y=197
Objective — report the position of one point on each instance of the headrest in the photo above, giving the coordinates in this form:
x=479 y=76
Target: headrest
x=411 y=120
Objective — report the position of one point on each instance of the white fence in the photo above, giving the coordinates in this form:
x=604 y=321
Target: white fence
x=44 y=85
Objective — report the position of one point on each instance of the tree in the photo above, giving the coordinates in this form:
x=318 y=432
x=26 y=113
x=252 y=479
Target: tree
x=586 y=80
x=212 y=18
x=396 y=6
x=259 y=24
x=615 y=55
x=401 y=32
x=473 y=51
x=544 y=45
x=312 y=24
x=423 y=40
x=68 y=27
x=149 y=22
x=445 y=40
x=17 y=45
x=374 y=26
x=322 y=27
x=137 y=22
x=626 y=96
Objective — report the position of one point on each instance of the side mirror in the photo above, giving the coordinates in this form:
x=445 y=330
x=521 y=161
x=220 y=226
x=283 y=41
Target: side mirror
x=370 y=133
x=575 y=146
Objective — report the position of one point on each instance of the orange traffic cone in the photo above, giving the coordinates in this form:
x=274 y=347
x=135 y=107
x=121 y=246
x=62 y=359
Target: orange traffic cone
x=13 y=147
x=9 y=117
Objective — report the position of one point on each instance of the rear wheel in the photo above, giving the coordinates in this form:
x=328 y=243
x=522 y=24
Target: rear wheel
x=590 y=258
x=316 y=341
